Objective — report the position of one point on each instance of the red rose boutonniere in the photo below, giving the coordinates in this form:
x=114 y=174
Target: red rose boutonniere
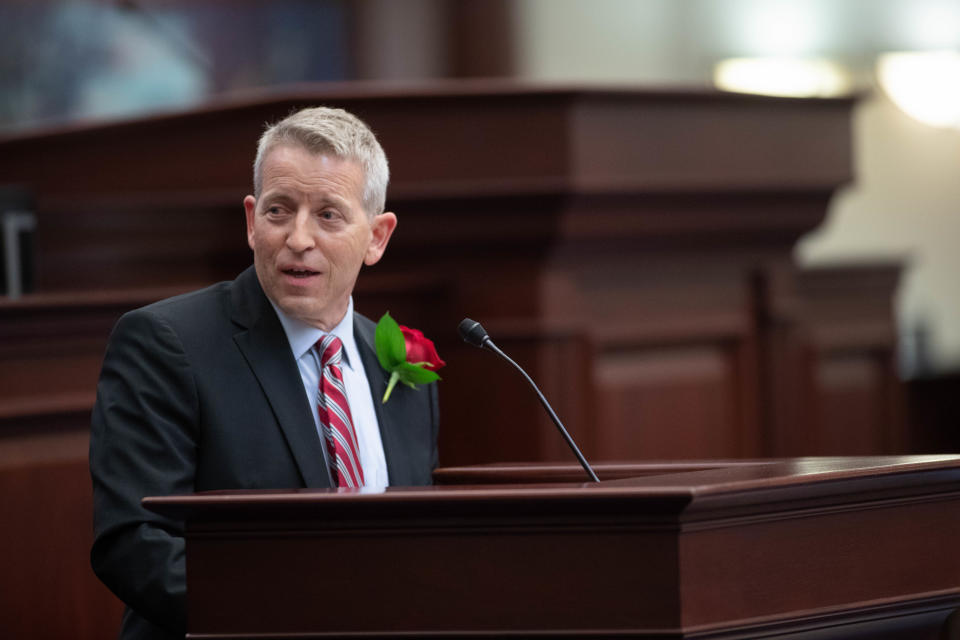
x=410 y=357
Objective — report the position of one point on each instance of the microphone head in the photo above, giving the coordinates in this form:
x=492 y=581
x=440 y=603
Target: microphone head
x=472 y=332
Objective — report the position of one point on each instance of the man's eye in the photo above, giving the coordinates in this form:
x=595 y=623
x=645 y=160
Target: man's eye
x=328 y=214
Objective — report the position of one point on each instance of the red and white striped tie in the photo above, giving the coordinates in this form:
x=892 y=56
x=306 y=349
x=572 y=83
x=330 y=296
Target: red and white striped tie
x=335 y=418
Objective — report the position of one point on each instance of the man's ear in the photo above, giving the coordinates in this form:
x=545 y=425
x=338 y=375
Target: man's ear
x=250 y=207
x=382 y=227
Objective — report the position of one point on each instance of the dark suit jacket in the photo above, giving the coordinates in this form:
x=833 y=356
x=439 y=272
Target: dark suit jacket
x=201 y=392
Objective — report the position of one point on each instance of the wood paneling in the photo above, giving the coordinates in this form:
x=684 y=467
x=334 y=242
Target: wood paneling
x=48 y=589
x=666 y=403
x=769 y=549
x=51 y=352
x=631 y=249
x=53 y=346
x=853 y=401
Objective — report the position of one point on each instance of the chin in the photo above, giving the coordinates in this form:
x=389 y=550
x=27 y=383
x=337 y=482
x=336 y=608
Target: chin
x=309 y=311
x=299 y=306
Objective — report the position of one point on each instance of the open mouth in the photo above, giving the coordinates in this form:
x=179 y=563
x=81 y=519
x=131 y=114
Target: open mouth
x=300 y=273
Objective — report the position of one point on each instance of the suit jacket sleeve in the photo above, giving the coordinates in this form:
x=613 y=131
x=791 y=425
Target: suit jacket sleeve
x=143 y=442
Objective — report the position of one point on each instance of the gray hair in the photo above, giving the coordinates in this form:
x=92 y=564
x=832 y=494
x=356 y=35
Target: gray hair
x=333 y=131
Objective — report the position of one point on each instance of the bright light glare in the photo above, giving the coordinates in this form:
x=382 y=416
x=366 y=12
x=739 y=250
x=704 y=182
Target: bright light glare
x=789 y=77
x=771 y=28
x=924 y=84
x=932 y=24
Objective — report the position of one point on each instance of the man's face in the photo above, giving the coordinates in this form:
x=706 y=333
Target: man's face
x=310 y=233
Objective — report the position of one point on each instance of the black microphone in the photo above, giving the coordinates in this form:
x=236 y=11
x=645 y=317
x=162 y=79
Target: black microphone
x=473 y=333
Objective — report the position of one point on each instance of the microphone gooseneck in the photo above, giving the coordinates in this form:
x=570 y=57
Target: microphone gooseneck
x=473 y=333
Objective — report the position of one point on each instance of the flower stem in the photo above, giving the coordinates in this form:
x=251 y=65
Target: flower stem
x=394 y=377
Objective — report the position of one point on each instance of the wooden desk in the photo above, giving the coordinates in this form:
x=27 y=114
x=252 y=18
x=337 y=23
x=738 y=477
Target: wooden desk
x=802 y=548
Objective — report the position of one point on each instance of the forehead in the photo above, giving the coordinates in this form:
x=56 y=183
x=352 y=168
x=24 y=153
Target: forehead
x=296 y=167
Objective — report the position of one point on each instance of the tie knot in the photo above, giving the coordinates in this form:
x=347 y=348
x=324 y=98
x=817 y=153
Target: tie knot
x=331 y=350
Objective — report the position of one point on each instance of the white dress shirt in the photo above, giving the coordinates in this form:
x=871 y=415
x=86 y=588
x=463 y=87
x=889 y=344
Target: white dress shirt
x=302 y=337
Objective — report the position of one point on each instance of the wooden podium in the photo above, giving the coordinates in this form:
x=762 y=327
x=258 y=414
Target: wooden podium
x=794 y=548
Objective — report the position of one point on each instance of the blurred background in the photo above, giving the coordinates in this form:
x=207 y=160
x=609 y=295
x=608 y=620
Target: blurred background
x=717 y=228
x=70 y=61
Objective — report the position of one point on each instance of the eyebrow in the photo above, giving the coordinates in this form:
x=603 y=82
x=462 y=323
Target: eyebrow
x=277 y=195
x=335 y=201
x=287 y=197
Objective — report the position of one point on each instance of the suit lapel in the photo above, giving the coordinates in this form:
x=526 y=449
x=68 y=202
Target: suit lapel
x=264 y=345
x=390 y=420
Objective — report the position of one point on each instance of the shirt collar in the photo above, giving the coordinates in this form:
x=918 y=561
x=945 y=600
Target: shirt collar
x=302 y=336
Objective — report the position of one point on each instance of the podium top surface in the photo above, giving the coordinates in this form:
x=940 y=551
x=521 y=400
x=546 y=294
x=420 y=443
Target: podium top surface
x=744 y=549
x=641 y=491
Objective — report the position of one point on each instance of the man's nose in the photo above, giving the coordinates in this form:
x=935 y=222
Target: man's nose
x=300 y=238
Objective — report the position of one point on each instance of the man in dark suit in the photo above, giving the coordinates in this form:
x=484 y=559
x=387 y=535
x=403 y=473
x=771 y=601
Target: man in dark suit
x=217 y=389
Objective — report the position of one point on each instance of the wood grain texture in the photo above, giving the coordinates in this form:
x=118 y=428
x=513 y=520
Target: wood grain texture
x=766 y=549
x=631 y=248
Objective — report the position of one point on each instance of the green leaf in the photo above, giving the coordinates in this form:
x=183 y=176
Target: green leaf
x=411 y=373
x=391 y=348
